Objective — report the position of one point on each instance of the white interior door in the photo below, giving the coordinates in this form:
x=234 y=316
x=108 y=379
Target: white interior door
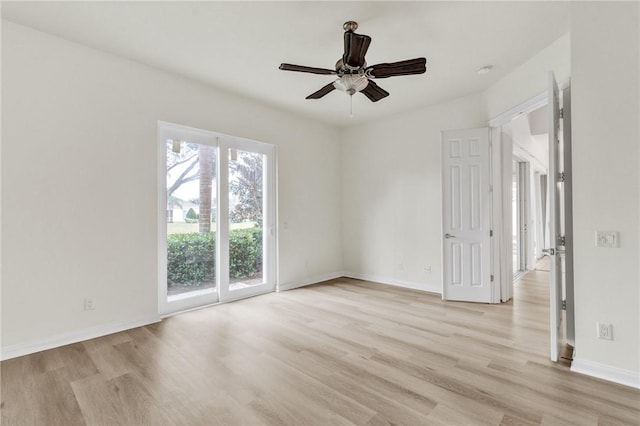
x=466 y=242
x=568 y=216
x=555 y=220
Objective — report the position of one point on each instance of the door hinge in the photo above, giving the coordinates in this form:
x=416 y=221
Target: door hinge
x=561 y=177
x=491 y=278
x=491 y=232
x=564 y=305
x=562 y=240
x=561 y=112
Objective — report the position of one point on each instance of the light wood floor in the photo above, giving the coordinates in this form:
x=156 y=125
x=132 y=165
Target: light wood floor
x=342 y=352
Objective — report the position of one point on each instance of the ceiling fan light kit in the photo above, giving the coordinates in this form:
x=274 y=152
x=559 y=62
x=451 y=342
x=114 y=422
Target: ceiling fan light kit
x=351 y=83
x=352 y=71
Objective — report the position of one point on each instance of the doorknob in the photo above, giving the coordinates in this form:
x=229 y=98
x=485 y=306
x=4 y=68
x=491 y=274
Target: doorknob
x=449 y=236
x=549 y=251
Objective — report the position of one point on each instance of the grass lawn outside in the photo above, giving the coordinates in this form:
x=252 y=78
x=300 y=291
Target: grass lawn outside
x=187 y=228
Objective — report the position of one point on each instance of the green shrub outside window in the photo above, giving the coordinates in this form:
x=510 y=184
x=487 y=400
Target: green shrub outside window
x=191 y=257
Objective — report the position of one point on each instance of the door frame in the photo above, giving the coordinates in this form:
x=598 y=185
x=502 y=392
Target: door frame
x=502 y=156
x=501 y=159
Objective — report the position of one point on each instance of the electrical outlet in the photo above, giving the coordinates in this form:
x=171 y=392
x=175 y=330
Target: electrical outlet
x=605 y=331
x=608 y=239
x=427 y=269
x=89 y=303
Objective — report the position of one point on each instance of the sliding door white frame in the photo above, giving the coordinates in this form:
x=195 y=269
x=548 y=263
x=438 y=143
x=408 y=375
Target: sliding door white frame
x=226 y=143
x=171 y=131
x=223 y=144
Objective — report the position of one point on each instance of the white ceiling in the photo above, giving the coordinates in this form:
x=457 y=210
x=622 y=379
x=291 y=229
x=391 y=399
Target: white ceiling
x=238 y=46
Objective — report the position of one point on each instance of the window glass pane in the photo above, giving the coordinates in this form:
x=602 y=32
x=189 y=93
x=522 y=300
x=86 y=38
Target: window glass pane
x=246 y=214
x=191 y=201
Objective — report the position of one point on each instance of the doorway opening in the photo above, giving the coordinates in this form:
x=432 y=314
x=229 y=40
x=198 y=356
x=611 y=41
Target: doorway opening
x=526 y=137
x=532 y=167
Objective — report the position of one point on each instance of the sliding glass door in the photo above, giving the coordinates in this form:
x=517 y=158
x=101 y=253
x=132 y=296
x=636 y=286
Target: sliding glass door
x=247 y=212
x=216 y=208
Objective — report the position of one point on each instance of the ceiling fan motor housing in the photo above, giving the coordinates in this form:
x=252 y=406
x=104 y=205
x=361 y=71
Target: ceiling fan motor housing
x=342 y=68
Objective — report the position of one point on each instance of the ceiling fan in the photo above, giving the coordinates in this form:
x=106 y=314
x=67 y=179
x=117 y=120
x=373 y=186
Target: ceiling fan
x=353 y=73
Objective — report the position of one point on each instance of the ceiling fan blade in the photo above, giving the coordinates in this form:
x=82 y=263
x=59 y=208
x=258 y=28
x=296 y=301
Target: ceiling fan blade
x=320 y=93
x=408 y=67
x=302 y=68
x=374 y=92
x=355 y=47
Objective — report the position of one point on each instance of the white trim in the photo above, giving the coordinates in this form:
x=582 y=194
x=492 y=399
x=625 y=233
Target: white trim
x=37 y=345
x=213 y=304
x=430 y=288
x=311 y=280
x=525 y=107
x=606 y=372
x=495 y=167
x=222 y=221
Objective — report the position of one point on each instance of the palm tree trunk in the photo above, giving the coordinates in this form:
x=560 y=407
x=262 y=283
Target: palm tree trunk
x=205 y=155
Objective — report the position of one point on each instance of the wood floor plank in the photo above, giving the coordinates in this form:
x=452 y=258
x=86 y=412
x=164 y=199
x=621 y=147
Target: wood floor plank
x=340 y=352
x=54 y=402
x=99 y=401
x=77 y=361
x=446 y=415
x=18 y=391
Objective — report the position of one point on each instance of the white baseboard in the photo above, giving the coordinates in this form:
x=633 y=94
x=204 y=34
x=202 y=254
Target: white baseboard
x=606 y=372
x=33 y=346
x=431 y=288
x=311 y=280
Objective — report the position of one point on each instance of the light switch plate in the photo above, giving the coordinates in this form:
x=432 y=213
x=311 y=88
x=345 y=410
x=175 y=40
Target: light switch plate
x=608 y=239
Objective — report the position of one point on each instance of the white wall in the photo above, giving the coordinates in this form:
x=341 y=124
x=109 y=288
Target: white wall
x=391 y=193
x=606 y=139
x=530 y=78
x=79 y=183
